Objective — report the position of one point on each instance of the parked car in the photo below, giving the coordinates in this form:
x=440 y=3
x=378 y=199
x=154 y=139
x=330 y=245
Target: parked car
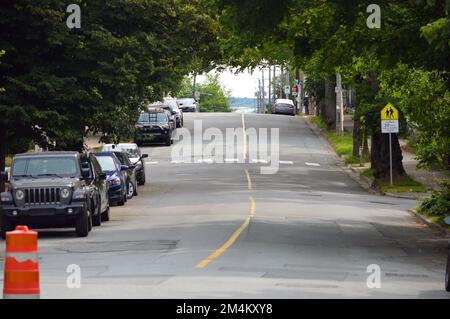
x=115 y=174
x=130 y=174
x=177 y=112
x=153 y=126
x=188 y=105
x=135 y=156
x=284 y=106
x=171 y=114
x=54 y=189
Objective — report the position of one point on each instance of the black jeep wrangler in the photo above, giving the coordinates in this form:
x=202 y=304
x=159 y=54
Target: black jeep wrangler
x=54 y=189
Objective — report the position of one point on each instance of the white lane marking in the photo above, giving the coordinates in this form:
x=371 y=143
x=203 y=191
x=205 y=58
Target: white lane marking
x=287 y=162
x=178 y=162
x=205 y=160
x=262 y=161
x=312 y=164
x=151 y=163
x=232 y=160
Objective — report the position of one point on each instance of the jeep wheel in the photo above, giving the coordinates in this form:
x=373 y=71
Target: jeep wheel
x=6 y=226
x=168 y=141
x=97 y=218
x=105 y=215
x=82 y=224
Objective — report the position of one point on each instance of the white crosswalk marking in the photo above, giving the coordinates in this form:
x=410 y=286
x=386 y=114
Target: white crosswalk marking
x=312 y=164
x=287 y=162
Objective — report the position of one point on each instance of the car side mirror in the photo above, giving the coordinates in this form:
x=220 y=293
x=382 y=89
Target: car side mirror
x=102 y=176
x=124 y=167
x=144 y=156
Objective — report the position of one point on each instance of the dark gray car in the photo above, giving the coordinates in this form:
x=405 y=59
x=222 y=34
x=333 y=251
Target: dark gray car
x=54 y=189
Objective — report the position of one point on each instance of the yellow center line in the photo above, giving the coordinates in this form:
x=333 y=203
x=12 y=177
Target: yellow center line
x=249 y=180
x=237 y=232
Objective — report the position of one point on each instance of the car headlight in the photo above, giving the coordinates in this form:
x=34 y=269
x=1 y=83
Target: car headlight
x=65 y=193
x=116 y=181
x=20 y=195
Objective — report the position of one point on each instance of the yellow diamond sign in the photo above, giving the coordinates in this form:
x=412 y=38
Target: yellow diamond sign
x=389 y=112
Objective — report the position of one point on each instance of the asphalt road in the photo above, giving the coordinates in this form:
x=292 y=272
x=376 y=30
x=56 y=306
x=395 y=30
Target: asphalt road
x=201 y=230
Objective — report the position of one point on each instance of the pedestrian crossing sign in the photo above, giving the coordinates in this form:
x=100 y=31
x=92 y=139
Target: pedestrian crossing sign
x=389 y=113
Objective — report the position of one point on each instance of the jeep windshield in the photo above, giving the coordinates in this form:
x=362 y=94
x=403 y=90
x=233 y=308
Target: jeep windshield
x=40 y=167
x=152 y=118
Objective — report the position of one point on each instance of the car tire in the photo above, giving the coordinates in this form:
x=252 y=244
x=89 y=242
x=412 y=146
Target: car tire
x=6 y=226
x=105 y=215
x=168 y=141
x=142 y=179
x=82 y=224
x=130 y=190
x=121 y=203
x=447 y=273
x=135 y=189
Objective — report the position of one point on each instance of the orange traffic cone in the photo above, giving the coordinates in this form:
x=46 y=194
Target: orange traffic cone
x=21 y=280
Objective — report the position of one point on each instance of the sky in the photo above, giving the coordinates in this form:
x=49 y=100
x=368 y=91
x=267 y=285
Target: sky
x=241 y=85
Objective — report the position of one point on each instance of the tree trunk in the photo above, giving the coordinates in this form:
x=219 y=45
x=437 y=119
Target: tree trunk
x=380 y=156
x=329 y=114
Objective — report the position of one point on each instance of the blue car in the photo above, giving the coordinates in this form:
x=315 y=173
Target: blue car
x=115 y=176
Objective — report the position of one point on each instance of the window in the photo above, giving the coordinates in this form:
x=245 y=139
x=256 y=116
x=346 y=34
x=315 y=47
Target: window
x=45 y=166
x=107 y=163
x=158 y=117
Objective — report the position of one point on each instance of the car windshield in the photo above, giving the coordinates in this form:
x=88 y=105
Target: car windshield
x=152 y=117
x=132 y=152
x=173 y=104
x=158 y=117
x=186 y=101
x=107 y=163
x=45 y=166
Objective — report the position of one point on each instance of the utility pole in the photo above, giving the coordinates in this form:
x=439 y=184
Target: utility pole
x=263 y=108
x=270 y=86
x=281 y=81
x=274 y=83
x=194 y=85
x=259 y=96
x=339 y=106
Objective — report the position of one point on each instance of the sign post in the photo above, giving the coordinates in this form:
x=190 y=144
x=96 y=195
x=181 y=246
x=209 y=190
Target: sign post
x=389 y=124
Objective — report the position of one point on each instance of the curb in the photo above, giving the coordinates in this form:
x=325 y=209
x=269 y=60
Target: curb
x=364 y=182
x=429 y=223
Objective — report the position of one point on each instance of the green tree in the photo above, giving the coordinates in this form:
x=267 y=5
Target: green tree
x=213 y=97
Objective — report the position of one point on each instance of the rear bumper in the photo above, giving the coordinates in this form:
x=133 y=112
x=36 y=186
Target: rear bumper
x=284 y=111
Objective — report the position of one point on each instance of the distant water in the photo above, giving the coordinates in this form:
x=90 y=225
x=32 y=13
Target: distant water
x=242 y=104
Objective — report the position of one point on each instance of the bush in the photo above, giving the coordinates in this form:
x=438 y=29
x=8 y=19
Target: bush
x=439 y=203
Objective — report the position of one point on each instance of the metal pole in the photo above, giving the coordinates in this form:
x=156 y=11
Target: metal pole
x=263 y=108
x=270 y=86
x=390 y=158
